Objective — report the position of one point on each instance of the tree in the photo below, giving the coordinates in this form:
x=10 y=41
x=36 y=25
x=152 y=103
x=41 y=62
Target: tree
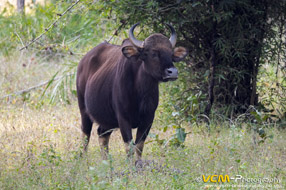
x=229 y=40
x=20 y=6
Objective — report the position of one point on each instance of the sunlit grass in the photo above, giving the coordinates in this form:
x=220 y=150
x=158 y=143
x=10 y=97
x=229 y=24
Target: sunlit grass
x=40 y=149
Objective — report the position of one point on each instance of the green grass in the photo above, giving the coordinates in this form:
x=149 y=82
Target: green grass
x=40 y=149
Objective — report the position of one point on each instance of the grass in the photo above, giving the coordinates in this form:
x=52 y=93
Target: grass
x=40 y=149
x=40 y=145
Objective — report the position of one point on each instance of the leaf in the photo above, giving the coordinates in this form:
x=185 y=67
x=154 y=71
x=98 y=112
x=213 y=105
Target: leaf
x=196 y=4
x=175 y=114
x=271 y=136
x=165 y=128
x=152 y=135
x=50 y=82
x=181 y=135
x=262 y=133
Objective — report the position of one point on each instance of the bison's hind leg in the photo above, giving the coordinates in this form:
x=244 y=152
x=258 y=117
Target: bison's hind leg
x=103 y=138
x=86 y=126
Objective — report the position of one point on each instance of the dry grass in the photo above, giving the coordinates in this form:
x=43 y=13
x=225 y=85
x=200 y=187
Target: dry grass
x=41 y=148
x=12 y=4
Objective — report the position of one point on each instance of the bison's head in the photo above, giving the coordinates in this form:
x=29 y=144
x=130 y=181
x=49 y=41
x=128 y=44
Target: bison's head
x=158 y=53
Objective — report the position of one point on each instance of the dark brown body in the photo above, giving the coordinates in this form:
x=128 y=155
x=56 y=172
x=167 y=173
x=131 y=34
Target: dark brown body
x=118 y=87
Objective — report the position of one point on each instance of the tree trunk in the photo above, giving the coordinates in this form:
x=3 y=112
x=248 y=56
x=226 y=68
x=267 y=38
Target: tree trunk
x=212 y=67
x=211 y=82
x=20 y=6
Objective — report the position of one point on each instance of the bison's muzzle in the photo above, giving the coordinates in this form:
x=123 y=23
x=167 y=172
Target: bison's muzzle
x=171 y=74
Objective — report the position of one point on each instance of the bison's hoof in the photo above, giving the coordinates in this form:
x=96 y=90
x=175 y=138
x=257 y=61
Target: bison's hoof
x=139 y=164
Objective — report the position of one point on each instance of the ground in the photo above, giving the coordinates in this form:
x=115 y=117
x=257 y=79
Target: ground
x=40 y=149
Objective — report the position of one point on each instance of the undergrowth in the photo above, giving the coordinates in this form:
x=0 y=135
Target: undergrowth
x=41 y=148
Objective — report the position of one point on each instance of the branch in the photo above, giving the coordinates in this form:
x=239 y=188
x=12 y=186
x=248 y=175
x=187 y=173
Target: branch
x=19 y=38
x=53 y=24
x=32 y=88
x=117 y=30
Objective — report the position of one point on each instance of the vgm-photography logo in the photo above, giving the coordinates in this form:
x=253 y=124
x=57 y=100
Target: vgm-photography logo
x=240 y=181
x=237 y=179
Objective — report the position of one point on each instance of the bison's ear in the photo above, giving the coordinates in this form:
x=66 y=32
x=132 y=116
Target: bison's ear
x=129 y=51
x=179 y=54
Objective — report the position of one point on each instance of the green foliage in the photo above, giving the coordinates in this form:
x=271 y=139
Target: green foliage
x=63 y=86
x=237 y=36
x=272 y=85
x=183 y=99
x=74 y=33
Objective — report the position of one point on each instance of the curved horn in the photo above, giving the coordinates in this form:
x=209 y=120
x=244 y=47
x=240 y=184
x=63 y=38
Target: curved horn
x=173 y=38
x=133 y=40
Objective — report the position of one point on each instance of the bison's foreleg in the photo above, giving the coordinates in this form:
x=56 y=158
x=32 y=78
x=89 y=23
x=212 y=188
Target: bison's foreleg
x=141 y=135
x=126 y=132
x=85 y=141
x=129 y=148
x=139 y=149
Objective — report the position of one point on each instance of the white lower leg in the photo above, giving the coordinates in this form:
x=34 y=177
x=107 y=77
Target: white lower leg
x=129 y=148
x=103 y=143
x=139 y=149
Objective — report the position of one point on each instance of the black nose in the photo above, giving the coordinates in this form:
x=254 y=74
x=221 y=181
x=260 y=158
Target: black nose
x=171 y=73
